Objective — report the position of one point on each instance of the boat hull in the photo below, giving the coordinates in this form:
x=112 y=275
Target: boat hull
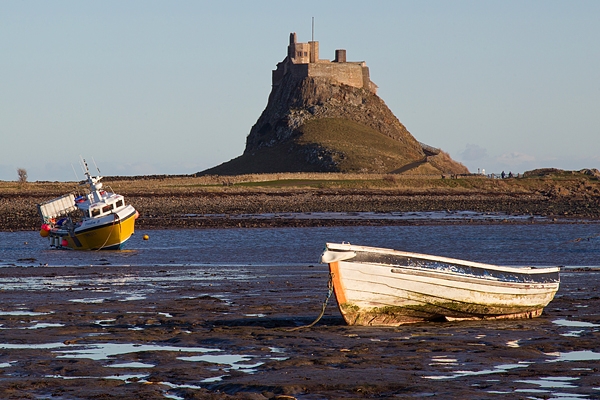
x=109 y=233
x=381 y=287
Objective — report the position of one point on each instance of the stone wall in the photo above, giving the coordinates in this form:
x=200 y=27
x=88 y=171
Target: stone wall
x=350 y=74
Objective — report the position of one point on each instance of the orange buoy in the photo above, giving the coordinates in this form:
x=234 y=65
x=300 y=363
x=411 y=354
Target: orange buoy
x=44 y=233
x=145 y=237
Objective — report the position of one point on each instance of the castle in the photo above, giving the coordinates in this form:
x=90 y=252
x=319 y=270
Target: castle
x=303 y=61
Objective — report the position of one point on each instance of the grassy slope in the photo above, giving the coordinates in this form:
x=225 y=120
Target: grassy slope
x=364 y=148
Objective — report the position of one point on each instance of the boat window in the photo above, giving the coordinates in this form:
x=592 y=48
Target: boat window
x=95 y=212
x=107 y=208
x=119 y=204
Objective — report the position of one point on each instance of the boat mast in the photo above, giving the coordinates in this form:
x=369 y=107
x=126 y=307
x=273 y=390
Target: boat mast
x=93 y=182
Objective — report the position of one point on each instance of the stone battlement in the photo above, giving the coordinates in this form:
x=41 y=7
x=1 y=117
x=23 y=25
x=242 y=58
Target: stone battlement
x=303 y=61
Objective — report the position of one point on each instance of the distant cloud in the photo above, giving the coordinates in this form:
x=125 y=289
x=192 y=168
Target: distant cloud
x=473 y=152
x=515 y=159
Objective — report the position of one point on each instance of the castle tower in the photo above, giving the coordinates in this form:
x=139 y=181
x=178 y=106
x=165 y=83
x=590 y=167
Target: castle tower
x=303 y=61
x=298 y=53
x=291 y=46
x=314 y=51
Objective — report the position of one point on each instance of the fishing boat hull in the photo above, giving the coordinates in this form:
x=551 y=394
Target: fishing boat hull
x=107 y=233
x=97 y=220
x=383 y=287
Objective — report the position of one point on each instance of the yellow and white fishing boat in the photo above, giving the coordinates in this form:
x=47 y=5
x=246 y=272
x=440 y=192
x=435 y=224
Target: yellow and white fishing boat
x=98 y=220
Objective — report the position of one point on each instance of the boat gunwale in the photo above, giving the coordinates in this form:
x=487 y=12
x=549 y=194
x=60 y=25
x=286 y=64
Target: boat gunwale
x=108 y=223
x=529 y=270
x=111 y=221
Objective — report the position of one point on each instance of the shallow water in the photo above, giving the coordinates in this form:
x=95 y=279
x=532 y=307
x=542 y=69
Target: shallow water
x=571 y=245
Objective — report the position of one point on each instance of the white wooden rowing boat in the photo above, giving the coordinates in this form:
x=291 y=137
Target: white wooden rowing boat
x=383 y=287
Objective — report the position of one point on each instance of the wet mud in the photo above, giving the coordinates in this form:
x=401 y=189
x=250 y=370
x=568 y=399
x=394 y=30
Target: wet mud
x=232 y=332
x=248 y=209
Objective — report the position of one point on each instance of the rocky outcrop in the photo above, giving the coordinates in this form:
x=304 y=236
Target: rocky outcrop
x=277 y=142
x=295 y=102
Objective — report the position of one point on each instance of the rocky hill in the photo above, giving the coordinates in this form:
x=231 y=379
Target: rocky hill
x=316 y=124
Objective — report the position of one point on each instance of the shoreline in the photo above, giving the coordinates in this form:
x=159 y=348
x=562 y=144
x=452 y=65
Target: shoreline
x=247 y=209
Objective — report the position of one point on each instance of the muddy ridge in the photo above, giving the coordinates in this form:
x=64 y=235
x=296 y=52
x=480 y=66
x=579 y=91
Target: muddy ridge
x=183 y=210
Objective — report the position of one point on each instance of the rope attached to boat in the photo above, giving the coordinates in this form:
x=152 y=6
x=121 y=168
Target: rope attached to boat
x=324 y=306
x=116 y=217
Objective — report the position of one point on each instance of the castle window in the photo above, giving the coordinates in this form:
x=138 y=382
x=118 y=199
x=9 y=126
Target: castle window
x=305 y=54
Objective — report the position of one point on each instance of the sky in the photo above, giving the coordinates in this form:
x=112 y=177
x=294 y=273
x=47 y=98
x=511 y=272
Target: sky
x=146 y=87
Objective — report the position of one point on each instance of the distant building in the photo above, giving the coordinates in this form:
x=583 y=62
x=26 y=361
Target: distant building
x=303 y=61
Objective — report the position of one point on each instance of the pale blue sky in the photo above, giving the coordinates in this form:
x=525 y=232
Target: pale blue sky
x=173 y=87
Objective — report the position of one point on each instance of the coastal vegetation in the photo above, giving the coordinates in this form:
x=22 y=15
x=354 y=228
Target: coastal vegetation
x=556 y=181
x=190 y=201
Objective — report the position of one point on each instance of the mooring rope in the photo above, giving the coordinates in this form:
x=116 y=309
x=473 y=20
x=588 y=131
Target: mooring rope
x=116 y=216
x=324 y=306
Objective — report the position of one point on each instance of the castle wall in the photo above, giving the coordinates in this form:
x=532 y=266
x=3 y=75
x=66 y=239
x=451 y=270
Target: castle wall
x=303 y=61
x=350 y=74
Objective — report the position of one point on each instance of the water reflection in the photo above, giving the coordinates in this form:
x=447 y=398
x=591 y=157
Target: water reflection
x=581 y=355
x=462 y=373
x=552 y=382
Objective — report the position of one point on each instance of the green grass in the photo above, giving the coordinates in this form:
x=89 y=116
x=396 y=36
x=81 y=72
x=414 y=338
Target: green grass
x=363 y=148
x=565 y=180
x=318 y=183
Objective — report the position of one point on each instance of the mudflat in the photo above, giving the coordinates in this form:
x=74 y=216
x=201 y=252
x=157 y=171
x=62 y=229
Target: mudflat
x=123 y=332
x=180 y=332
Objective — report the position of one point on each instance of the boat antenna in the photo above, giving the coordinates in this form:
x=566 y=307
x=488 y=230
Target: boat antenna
x=98 y=169
x=86 y=170
x=75 y=172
